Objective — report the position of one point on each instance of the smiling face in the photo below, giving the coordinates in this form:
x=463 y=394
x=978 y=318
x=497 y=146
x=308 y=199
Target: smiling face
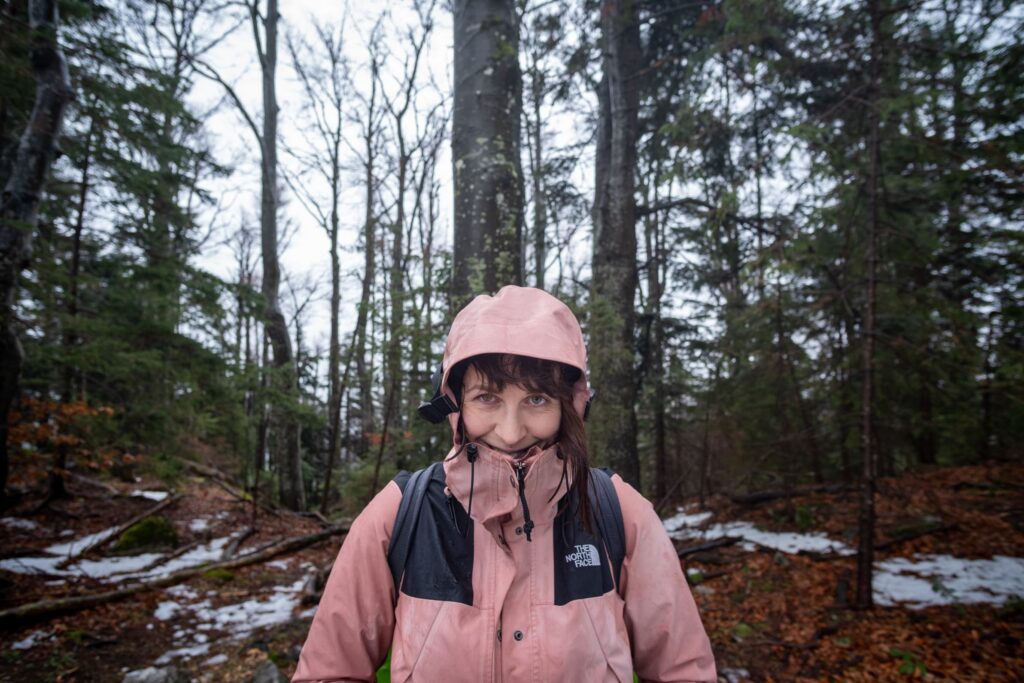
x=511 y=419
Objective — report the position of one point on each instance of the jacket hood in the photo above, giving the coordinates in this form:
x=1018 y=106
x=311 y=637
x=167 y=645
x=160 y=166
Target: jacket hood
x=523 y=321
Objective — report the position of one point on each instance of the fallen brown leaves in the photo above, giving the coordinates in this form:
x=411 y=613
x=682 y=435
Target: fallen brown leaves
x=783 y=617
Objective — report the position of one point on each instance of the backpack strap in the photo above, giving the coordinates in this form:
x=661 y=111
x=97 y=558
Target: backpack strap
x=609 y=518
x=414 y=488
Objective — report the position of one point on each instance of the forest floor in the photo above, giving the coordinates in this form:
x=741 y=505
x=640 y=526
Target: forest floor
x=775 y=601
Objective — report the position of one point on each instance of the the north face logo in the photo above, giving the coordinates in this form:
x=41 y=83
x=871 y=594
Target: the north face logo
x=585 y=556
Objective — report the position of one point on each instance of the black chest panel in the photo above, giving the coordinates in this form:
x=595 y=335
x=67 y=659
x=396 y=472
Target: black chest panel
x=440 y=561
x=580 y=564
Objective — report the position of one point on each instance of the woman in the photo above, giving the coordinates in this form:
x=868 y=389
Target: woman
x=504 y=579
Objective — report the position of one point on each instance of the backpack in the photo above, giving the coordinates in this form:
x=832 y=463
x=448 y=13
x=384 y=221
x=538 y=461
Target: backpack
x=606 y=509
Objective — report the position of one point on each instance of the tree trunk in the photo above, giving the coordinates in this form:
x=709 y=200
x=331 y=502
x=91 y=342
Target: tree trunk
x=20 y=201
x=286 y=437
x=614 y=270
x=866 y=517
x=485 y=149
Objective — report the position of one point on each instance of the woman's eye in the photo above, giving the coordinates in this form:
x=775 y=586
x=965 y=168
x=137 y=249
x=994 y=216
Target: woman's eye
x=486 y=398
x=538 y=400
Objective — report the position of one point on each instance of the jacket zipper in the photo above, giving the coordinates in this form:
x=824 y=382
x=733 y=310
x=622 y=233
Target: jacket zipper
x=521 y=477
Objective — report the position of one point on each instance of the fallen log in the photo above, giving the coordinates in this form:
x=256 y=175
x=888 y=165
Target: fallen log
x=166 y=502
x=910 y=535
x=236 y=542
x=710 y=545
x=45 y=608
x=759 y=497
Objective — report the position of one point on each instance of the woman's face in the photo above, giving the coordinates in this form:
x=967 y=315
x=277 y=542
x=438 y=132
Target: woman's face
x=511 y=420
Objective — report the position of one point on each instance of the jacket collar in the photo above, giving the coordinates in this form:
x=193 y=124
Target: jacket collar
x=495 y=484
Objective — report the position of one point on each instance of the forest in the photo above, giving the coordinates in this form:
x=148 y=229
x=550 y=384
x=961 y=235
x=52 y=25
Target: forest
x=233 y=235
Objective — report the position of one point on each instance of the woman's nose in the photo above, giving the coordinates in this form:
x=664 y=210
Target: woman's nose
x=510 y=428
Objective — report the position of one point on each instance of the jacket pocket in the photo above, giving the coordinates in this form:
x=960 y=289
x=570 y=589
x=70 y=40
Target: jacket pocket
x=415 y=619
x=605 y=615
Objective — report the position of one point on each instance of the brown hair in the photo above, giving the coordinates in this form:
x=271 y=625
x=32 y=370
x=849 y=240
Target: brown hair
x=543 y=377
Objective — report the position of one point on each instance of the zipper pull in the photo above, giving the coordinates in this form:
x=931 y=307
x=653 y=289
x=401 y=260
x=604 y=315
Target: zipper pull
x=527 y=522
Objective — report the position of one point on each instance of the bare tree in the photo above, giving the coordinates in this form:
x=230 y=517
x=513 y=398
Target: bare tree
x=323 y=73
x=21 y=193
x=398 y=107
x=264 y=24
x=488 y=174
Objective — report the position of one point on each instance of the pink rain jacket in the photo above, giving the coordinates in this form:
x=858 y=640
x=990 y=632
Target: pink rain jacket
x=513 y=626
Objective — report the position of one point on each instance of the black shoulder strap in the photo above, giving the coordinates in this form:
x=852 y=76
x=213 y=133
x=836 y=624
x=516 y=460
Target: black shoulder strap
x=414 y=488
x=609 y=518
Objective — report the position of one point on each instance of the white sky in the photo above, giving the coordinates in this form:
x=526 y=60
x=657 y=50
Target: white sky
x=307 y=253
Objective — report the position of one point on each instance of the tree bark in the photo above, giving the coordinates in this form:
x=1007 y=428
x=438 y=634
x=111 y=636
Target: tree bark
x=614 y=271
x=285 y=438
x=485 y=149
x=866 y=516
x=21 y=195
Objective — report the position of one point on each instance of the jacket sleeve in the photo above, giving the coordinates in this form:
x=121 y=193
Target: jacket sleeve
x=352 y=629
x=665 y=632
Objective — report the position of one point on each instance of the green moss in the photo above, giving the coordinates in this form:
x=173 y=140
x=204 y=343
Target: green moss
x=151 y=532
x=220 y=575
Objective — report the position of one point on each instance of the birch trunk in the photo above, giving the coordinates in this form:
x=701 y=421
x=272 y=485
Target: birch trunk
x=20 y=201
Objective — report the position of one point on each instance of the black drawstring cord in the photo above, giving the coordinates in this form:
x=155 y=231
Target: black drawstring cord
x=471 y=455
x=527 y=522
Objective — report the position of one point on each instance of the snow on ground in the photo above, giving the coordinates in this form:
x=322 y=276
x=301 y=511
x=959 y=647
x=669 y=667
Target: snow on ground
x=199 y=524
x=116 y=568
x=921 y=581
x=684 y=520
x=151 y=495
x=684 y=526
x=927 y=580
x=31 y=640
x=19 y=523
x=236 y=620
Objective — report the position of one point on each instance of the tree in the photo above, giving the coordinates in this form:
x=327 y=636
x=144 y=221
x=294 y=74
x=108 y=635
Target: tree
x=488 y=177
x=614 y=271
x=22 y=190
x=264 y=25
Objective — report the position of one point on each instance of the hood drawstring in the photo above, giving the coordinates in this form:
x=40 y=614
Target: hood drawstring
x=527 y=522
x=471 y=455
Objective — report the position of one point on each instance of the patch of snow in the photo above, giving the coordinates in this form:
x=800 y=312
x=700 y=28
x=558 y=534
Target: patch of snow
x=30 y=641
x=734 y=675
x=19 y=523
x=308 y=614
x=183 y=653
x=199 y=524
x=151 y=495
x=787 y=542
x=118 y=568
x=277 y=564
x=927 y=580
x=685 y=519
x=166 y=610
x=244 y=617
x=238 y=620
x=216 y=660
x=182 y=590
